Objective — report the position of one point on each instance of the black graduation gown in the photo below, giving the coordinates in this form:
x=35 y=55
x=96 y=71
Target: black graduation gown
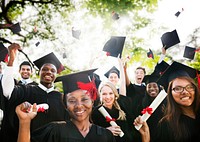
x=31 y=83
x=136 y=94
x=3 y=103
x=68 y=132
x=165 y=134
x=125 y=125
x=33 y=94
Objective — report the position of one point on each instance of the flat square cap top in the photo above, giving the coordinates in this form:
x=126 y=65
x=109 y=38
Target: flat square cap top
x=170 y=39
x=49 y=58
x=71 y=82
x=112 y=70
x=175 y=70
x=15 y=28
x=114 y=46
x=189 y=52
x=3 y=53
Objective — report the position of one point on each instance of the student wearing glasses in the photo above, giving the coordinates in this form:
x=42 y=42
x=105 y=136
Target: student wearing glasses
x=181 y=120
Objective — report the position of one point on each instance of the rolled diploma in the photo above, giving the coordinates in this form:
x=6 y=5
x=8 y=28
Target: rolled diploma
x=28 y=107
x=156 y=102
x=112 y=123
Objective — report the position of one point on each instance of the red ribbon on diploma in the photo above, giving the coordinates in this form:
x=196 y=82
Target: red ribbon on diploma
x=41 y=109
x=147 y=110
x=108 y=119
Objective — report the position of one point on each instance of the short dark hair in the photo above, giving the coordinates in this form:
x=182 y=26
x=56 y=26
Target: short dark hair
x=25 y=63
x=141 y=69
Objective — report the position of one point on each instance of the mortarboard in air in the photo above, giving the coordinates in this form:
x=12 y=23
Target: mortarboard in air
x=37 y=43
x=150 y=54
x=175 y=70
x=178 y=12
x=15 y=28
x=112 y=70
x=170 y=39
x=189 y=52
x=49 y=58
x=76 y=33
x=115 y=16
x=114 y=46
x=78 y=80
x=3 y=53
x=64 y=55
x=160 y=68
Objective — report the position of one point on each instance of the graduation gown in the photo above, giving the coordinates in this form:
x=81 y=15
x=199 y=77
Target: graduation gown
x=3 y=101
x=165 y=133
x=33 y=94
x=136 y=94
x=126 y=125
x=31 y=83
x=68 y=132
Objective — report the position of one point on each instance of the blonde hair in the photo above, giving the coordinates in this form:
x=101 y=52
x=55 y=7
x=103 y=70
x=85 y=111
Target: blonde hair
x=122 y=115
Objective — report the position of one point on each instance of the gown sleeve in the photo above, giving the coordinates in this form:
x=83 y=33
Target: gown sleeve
x=47 y=133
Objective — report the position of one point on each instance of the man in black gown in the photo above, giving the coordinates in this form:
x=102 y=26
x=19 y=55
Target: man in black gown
x=49 y=66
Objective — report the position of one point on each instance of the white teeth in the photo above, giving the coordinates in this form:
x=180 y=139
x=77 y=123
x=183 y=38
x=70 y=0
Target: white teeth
x=48 y=77
x=185 y=98
x=79 y=112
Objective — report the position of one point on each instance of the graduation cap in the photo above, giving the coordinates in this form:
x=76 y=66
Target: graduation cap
x=49 y=58
x=15 y=28
x=175 y=70
x=160 y=68
x=189 y=52
x=170 y=39
x=150 y=54
x=178 y=13
x=37 y=43
x=3 y=53
x=79 y=80
x=64 y=55
x=115 y=16
x=150 y=78
x=114 y=46
x=76 y=33
x=112 y=70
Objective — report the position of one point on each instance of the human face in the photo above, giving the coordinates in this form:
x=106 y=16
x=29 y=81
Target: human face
x=79 y=105
x=47 y=74
x=107 y=96
x=185 y=98
x=139 y=75
x=113 y=77
x=152 y=89
x=25 y=71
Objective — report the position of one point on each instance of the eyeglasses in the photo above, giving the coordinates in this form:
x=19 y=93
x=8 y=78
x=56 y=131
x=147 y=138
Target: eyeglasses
x=179 y=89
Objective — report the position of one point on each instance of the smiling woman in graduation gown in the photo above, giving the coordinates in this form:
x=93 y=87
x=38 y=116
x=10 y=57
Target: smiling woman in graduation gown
x=80 y=94
x=118 y=110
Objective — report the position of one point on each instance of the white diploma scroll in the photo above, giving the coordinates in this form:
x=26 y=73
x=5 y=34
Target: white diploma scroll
x=112 y=123
x=156 y=102
x=40 y=107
